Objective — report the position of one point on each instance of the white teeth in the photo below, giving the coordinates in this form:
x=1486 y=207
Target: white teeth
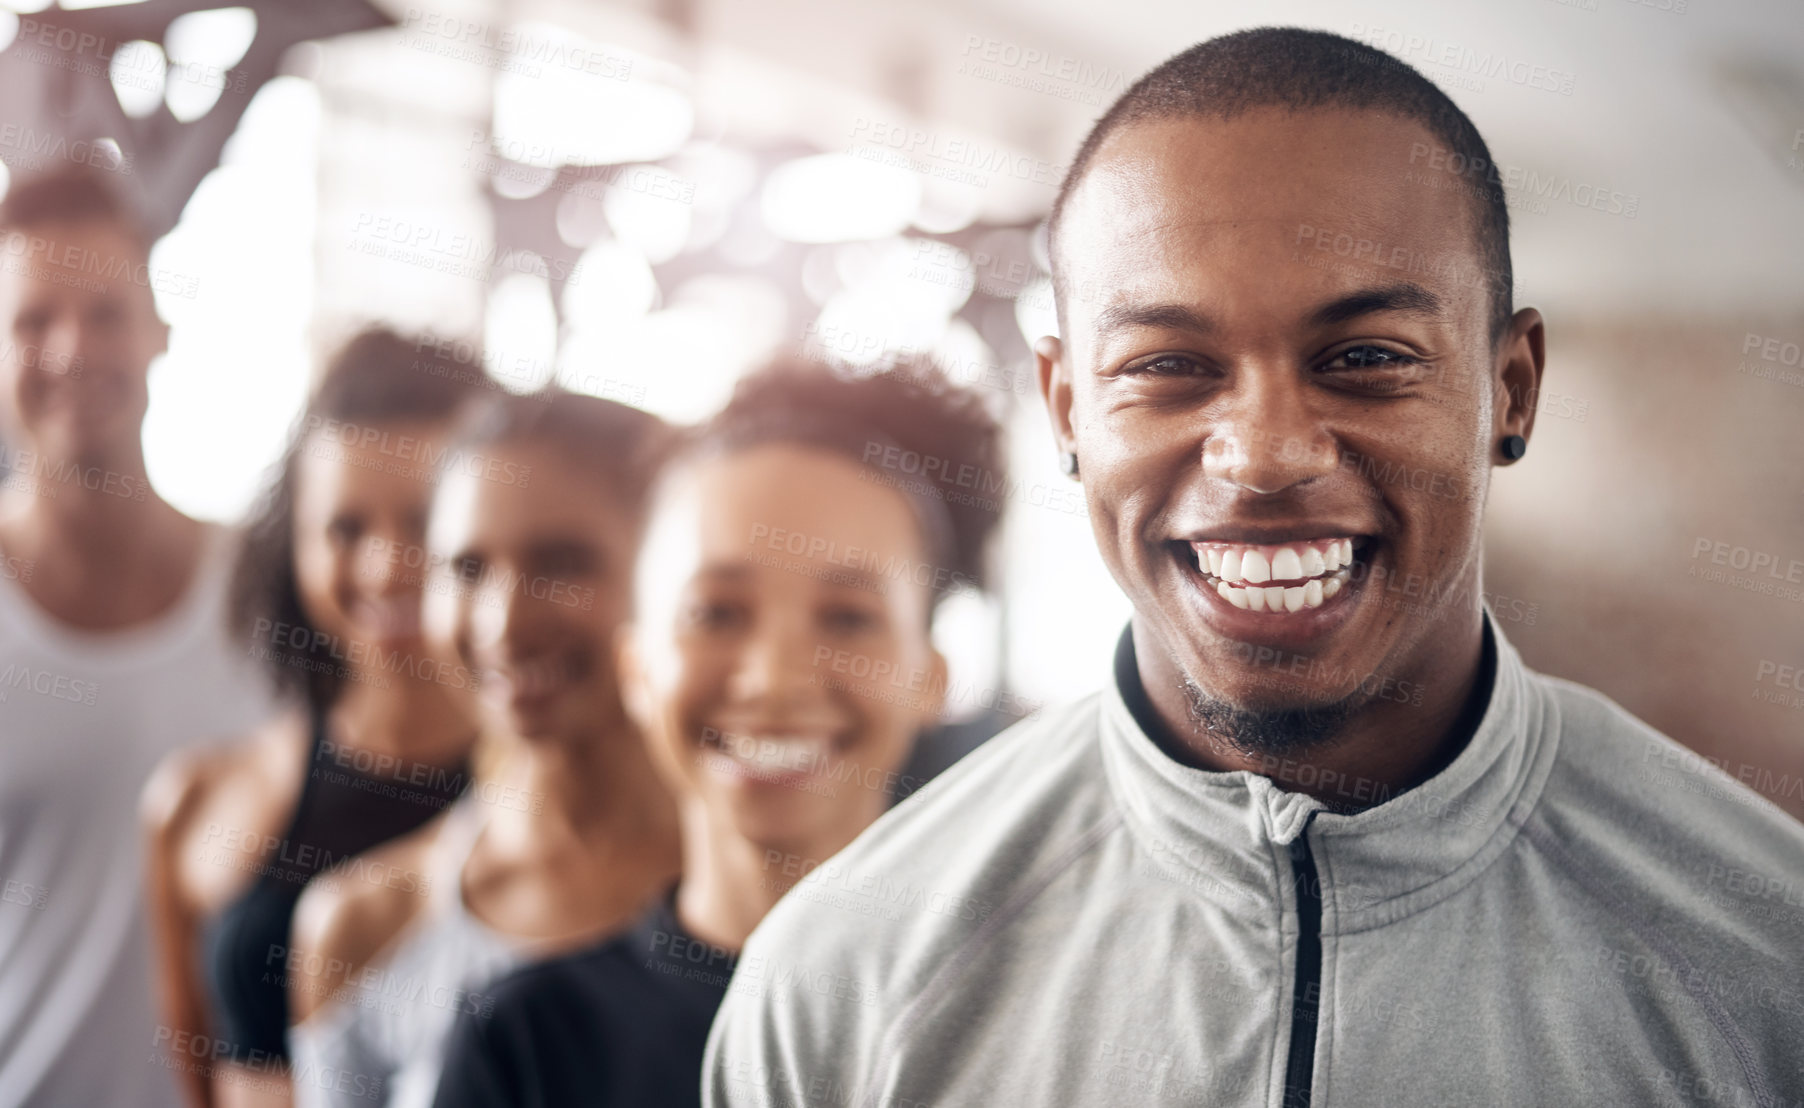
x=772 y=755
x=1281 y=598
x=1234 y=596
x=1238 y=572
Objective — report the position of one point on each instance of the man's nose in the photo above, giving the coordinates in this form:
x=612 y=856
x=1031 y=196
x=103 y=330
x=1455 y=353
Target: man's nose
x=1270 y=436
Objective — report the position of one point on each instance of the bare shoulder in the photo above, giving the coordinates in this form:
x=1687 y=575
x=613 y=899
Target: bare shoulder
x=232 y=796
x=348 y=915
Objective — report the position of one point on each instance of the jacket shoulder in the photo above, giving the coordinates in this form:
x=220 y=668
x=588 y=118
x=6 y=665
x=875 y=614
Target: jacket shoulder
x=1706 y=874
x=846 y=950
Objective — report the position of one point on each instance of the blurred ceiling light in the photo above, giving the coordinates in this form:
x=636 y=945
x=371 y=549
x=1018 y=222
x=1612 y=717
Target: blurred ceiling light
x=947 y=206
x=516 y=181
x=1035 y=312
x=612 y=284
x=723 y=177
x=294 y=100
x=862 y=327
x=838 y=198
x=966 y=358
x=570 y=101
x=935 y=277
x=6 y=180
x=83 y=5
x=9 y=28
x=650 y=208
x=138 y=72
x=520 y=331
x=581 y=219
x=707 y=226
x=748 y=243
x=109 y=149
x=237 y=369
x=202 y=48
x=682 y=362
x=820 y=275
x=26 y=7
x=752 y=310
x=190 y=95
x=218 y=37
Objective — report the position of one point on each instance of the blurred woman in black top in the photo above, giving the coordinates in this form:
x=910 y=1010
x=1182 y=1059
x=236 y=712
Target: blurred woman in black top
x=379 y=735
x=781 y=667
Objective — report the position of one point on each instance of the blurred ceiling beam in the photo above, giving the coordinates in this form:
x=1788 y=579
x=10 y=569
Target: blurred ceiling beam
x=54 y=78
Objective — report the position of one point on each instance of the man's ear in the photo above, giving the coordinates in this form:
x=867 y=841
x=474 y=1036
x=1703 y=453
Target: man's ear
x=1521 y=357
x=1055 y=389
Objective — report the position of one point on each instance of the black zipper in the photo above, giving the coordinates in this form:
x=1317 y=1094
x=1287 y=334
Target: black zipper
x=1306 y=999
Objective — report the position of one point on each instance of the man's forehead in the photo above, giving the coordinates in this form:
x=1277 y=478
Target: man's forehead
x=1174 y=182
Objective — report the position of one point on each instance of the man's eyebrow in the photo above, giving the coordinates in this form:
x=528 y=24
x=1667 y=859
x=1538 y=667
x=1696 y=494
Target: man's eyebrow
x=1167 y=317
x=1405 y=296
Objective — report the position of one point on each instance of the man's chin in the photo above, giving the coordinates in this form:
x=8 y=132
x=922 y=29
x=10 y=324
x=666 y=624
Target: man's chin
x=1265 y=722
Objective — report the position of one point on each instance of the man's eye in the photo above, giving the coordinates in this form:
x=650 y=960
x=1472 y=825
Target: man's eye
x=1370 y=357
x=1167 y=365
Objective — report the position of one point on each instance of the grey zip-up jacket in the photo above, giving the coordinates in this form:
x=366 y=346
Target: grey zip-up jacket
x=1576 y=911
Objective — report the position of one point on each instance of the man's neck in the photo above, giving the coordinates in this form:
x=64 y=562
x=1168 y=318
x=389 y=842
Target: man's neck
x=1388 y=746
x=102 y=557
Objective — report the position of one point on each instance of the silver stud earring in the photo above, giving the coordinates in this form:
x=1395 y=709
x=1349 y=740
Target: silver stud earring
x=1068 y=463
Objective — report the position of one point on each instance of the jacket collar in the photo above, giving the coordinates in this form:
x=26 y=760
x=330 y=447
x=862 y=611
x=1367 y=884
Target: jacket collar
x=1227 y=834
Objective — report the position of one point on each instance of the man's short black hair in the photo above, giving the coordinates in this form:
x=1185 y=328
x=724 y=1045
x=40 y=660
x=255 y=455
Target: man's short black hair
x=1295 y=69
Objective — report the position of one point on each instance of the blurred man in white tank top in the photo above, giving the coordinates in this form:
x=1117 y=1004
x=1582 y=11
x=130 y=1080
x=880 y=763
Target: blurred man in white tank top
x=112 y=646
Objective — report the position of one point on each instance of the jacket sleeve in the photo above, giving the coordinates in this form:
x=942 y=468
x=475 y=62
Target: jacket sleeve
x=753 y=1059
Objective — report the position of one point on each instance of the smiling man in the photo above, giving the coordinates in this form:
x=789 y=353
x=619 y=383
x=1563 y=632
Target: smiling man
x=113 y=649
x=1323 y=839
